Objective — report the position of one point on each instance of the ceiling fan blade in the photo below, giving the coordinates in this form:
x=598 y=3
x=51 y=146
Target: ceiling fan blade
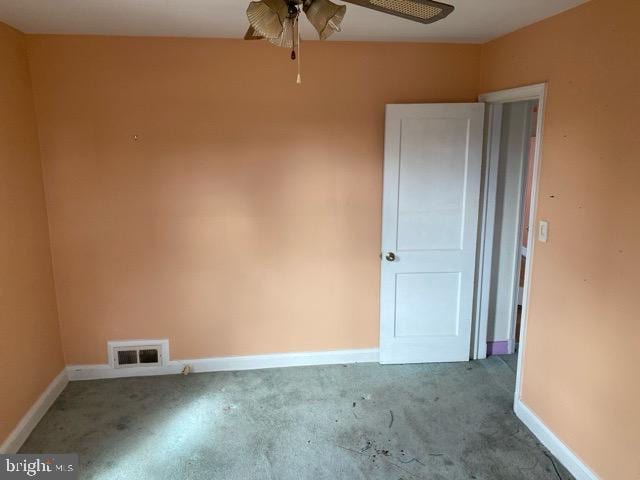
x=422 y=11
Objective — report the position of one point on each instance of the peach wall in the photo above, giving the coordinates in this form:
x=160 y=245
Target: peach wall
x=30 y=351
x=246 y=217
x=583 y=338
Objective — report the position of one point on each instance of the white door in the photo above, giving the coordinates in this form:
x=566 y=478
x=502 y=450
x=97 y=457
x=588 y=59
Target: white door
x=433 y=156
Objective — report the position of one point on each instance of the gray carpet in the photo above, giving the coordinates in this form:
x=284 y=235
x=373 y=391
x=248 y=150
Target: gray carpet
x=511 y=361
x=435 y=422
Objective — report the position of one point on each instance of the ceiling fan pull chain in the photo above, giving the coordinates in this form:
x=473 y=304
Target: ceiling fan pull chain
x=294 y=14
x=299 y=79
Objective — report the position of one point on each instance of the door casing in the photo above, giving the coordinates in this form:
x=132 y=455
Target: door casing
x=496 y=99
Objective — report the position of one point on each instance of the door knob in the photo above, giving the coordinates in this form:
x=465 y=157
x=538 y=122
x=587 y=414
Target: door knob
x=390 y=256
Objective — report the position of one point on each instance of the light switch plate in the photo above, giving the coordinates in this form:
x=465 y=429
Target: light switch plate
x=543 y=231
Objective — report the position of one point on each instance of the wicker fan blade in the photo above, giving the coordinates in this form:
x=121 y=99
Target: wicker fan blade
x=422 y=11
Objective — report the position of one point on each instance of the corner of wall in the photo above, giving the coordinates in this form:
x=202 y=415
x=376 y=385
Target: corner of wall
x=32 y=356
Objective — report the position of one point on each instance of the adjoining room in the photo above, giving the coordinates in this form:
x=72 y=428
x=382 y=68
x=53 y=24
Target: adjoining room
x=299 y=239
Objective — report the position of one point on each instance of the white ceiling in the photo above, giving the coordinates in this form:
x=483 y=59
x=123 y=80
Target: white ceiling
x=473 y=20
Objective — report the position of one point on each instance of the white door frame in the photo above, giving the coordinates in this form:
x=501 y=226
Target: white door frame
x=490 y=163
x=495 y=100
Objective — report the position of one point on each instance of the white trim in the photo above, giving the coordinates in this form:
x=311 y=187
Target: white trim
x=557 y=447
x=30 y=419
x=222 y=364
x=531 y=239
x=493 y=131
x=518 y=94
x=112 y=345
x=105 y=371
x=532 y=92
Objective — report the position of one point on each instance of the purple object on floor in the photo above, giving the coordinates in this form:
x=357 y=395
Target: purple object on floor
x=498 y=348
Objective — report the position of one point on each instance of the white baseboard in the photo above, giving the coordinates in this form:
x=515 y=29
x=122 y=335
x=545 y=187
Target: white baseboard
x=557 y=447
x=221 y=364
x=29 y=421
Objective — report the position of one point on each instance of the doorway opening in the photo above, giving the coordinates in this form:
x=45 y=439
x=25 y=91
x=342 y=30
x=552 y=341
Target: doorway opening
x=511 y=166
x=508 y=205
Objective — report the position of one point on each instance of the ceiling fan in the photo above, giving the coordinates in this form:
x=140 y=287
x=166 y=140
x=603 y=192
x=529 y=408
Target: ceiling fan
x=277 y=20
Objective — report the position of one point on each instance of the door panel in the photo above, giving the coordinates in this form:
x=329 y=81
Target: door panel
x=427 y=304
x=433 y=155
x=431 y=183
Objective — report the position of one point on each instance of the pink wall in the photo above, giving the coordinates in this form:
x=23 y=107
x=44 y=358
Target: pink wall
x=583 y=336
x=246 y=218
x=30 y=350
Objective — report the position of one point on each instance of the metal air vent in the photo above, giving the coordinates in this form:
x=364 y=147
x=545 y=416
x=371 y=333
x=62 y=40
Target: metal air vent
x=138 y=353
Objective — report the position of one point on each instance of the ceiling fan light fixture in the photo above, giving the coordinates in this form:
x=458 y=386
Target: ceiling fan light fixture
x=288 y=37
x=325 y=16
x=266 y=17
x=252 y=34
x=278 y=20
